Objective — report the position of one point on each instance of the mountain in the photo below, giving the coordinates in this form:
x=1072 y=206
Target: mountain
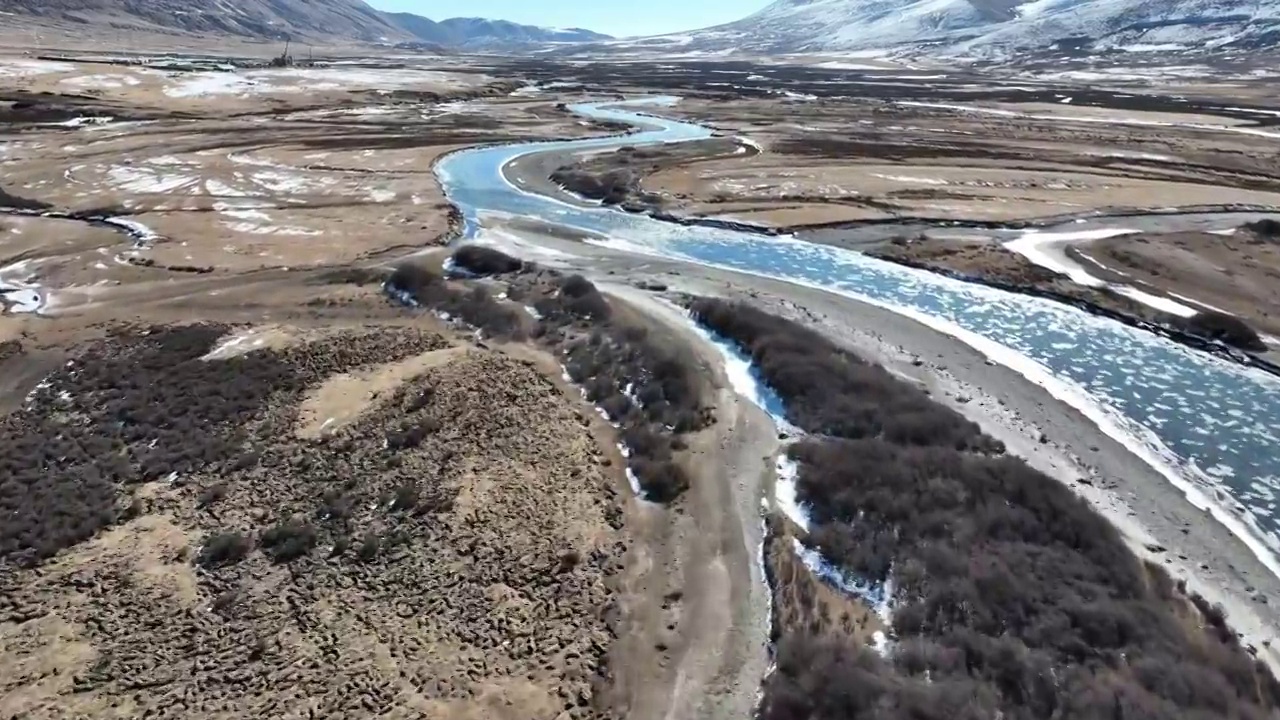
x=275 y=19
x=297 y=19
x=480 y=33
x=988 y=27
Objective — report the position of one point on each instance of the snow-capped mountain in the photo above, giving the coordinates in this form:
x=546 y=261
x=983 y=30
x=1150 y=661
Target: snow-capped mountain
x=481 y=33
x=986 y=26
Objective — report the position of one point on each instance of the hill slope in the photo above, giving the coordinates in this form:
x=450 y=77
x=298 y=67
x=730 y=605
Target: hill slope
x=989 y=26
x=479 y=32
x=275 y=19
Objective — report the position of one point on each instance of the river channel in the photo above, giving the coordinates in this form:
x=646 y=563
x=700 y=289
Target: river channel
x=1210 y=425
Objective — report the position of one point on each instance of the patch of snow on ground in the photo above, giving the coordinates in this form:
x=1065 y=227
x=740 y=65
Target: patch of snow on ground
x=297 y=80
x=233 y=344
x=282 y=182
x=1047 y=251
x=85 y=121
x=1044 y=249
x=20 y=68
x=910 y=179
x=140 y=179
x=875 y=595
x=142 y=235
x=839 y=65
x=100 y=82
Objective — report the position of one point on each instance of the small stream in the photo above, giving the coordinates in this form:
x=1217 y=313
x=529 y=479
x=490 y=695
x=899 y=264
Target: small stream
x=1210 y=425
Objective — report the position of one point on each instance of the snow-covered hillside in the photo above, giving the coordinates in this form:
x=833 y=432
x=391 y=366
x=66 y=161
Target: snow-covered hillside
x=991 y=26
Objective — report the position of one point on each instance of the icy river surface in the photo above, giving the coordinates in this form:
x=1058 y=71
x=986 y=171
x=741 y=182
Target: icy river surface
x=1211 y=426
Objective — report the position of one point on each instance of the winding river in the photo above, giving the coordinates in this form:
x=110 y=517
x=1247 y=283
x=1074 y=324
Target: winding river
x=1211 y=426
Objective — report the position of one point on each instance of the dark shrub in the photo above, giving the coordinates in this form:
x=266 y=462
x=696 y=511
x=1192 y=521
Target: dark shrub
x=417 y=281
x=212 y=494
x=224 y=548
x=661 y=481
x=406 y=497
x=1226 y=328
x=481 y=260
x=369 y=546
x=1267 y=229
x=830 y=391
x=289 y=540
x=1011 y=597
x=474 y=307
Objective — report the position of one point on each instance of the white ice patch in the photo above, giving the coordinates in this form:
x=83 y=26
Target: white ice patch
x=101 y=82
x=85 y=121
x=142 y=235
x=22 y=68
x=1045 y=250
x=311 y=79
x=140 y=179
x=1163 y=304
x=786 y=491
x=22 y=301
x=235 y=344
x=911 y=179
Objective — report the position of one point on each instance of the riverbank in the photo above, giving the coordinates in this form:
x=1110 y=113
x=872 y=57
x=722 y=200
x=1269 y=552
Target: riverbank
x=1156 y=519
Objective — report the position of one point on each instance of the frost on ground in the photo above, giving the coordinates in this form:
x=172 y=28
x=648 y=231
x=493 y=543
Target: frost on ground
x=10 y=68
x=300 y=80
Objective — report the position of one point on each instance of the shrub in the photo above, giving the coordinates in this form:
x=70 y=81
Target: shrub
x=1267 y=229
x=475 y=306
x=830 y=391
x=481 y=260
x=289 y=540
x=370 y=544
x=212 y=494
x=1011 y=596
x=1226 y=328
x=661 y=481
x=224 y=548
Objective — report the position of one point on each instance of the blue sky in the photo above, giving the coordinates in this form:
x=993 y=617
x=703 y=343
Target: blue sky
x=644 y=17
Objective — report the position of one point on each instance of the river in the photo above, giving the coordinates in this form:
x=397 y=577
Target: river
x=1210 y=425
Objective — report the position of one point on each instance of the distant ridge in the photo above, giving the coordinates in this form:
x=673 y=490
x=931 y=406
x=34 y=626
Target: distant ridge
x=296 y=19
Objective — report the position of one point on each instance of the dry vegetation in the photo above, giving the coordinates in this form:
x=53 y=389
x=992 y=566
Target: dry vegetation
x=646 y=388
x=173 y=549
x=1011 y=597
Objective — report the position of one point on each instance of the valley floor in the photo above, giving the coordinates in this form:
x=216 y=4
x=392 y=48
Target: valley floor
x=391 y=513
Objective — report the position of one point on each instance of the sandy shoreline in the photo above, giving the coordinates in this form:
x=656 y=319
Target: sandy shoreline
x=1157 y=520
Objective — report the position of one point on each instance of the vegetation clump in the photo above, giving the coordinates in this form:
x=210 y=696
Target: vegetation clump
x=830 y=391
x=481 y=261
x=289 y=540
x=224 y=548
x=475 y=306
x=1010 y=596
x=645 y=388
x=1225 y=328
x=643 y=385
